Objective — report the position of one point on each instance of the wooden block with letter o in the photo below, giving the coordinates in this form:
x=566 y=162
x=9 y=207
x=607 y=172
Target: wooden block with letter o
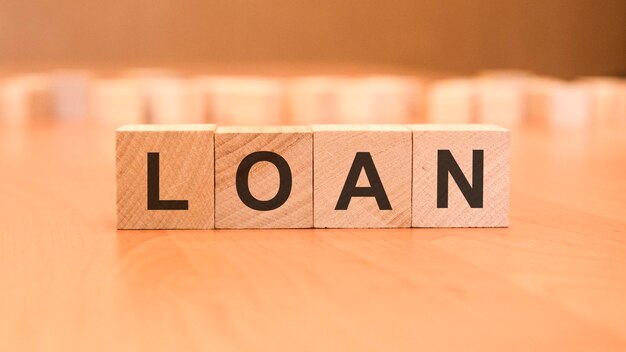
x=165 y=176
x=362 y=176
x=264 y=177
x=460 y=176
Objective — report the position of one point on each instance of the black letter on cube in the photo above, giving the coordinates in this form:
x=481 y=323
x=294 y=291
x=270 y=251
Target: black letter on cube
x=154 y=201
x=472 y=193
x=363 y=161
x=243 y=188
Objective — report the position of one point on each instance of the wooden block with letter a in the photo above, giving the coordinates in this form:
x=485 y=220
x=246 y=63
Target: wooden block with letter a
x=460 y=176
x=165 y=176
x=362 y=176
x=264 y=177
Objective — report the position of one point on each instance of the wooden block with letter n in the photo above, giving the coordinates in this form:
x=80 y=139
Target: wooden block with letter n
x=264 y=177
x=460 y=176
x=362 y=176
x=165 y=176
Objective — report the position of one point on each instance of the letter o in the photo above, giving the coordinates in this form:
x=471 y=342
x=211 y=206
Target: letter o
x=284 y=188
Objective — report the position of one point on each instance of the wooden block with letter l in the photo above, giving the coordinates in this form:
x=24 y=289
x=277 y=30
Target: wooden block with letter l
x=264 y=177
x=362 y=176
x=460 y=176
x=165 y=176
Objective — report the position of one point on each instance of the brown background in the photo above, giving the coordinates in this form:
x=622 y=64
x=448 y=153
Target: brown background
x=559 y=37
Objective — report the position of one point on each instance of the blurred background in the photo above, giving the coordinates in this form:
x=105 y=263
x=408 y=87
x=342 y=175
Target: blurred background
x=552 y=63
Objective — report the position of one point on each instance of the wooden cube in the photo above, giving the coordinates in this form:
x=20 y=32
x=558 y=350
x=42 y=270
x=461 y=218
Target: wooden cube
x=452 y=101
x=313 y=99
x=25 y=97
x=242 y=100
x=70 y=92
x=570 y=107
x=165 y=176
x=362 y=176
x=604 y=95
x=167 y=99
x=264 y=177
x=540 y=92
x=376 y=99
x=460 y=176
x=117 y=101
x=502 y=100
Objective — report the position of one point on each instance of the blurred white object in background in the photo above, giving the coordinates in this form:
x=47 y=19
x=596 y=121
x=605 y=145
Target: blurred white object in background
x=506 y=98
x=570 y=107
x=540 y=93
x=604 y=93
x=313 y=99
x=117 y=101
x=376 y=99
x=25 y=97
x=241 y=100
x=451 y=101
x=70 y=94
x=165 y=95
x=167 y=99
x=502 y=98
x=201 y=99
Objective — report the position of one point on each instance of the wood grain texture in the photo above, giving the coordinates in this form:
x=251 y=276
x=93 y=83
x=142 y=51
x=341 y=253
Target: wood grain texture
x=295 y=145
x=334 y=152
x=460 y=141
x=186 y=170
x=552 y=281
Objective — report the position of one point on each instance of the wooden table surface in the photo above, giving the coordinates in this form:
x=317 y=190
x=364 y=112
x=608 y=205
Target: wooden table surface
x=554 y=280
